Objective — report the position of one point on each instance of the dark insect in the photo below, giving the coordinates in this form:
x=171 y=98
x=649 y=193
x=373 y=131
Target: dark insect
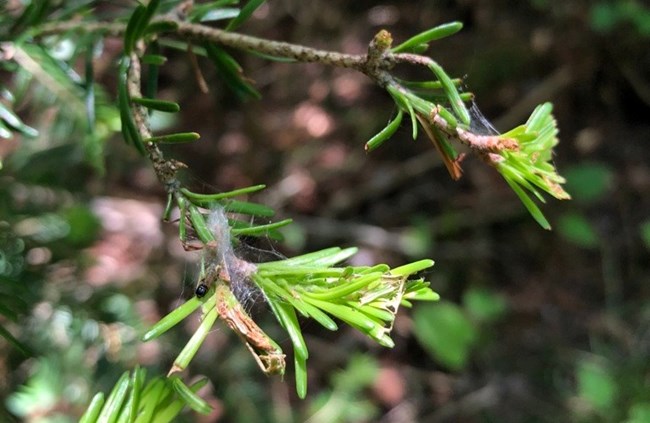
x=201 y=290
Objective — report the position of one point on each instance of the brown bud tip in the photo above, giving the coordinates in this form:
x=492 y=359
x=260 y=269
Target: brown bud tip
x=509 y=144
x=383 y=40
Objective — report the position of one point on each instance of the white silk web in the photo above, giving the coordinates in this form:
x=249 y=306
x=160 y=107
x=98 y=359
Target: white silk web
x=234 y=260
x=478 y=122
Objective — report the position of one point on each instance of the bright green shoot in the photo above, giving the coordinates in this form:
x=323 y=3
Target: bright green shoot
x=522 y=155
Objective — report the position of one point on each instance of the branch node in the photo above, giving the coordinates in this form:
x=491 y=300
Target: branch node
x=379 y=45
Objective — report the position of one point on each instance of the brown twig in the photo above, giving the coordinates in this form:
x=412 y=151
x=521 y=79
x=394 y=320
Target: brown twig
x=374 y=64
x=165 y=169
x=480 y=143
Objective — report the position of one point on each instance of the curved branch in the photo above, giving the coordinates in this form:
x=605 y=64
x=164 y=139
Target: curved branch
x=165 y=169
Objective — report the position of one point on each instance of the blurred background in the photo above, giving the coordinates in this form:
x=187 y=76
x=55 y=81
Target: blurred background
x=533 y=325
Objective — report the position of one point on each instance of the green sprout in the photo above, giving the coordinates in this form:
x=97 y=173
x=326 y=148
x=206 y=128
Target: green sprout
x=312 y=286
x=132 y=400
x=530 y=168
x=522 y=155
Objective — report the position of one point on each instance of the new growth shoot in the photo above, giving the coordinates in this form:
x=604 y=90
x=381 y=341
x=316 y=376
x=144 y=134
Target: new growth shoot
x=310 y=286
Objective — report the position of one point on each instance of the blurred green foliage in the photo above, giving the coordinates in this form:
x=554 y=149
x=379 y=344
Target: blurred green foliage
x=462 y=328
x=589 y=182
x=596 y=384
x=577 y=229
x=644 y=231
x=639 y=413
x=607 y=16
x=485 y=305
x=446 y=332
x=345 y=401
